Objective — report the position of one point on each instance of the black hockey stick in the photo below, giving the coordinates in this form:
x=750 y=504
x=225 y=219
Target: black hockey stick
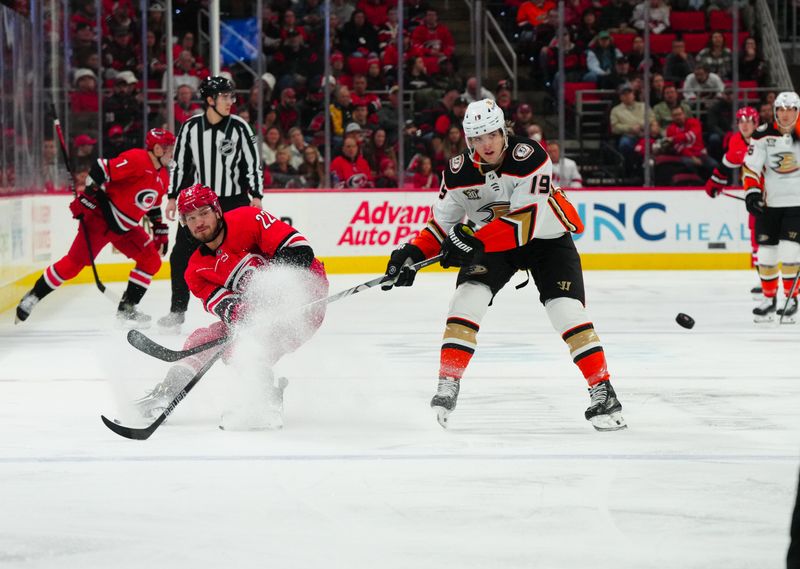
x=144 y=344
x=145 y=432
x=57 y=124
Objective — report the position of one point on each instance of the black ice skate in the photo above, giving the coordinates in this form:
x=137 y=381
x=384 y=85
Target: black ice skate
x=154 y=403
x=765 y=312
x=128 y=316
x=445 y=399
x=789 y=315
x=25 y=307
x=171 y=323
x=605 y=410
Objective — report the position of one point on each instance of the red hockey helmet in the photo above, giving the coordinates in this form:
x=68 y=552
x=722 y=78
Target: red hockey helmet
x=748 y=113
x=159 y=136
x=197 y=196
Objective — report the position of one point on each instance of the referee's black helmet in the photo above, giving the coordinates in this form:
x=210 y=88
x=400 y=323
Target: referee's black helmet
x=213 y=86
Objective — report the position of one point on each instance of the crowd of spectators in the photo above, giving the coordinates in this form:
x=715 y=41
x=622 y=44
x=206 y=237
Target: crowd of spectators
x=603 y=45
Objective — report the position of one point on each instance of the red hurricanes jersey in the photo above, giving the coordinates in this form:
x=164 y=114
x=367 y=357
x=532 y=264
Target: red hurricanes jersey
x=133 y=185
x=737 y=150
x=252 y=239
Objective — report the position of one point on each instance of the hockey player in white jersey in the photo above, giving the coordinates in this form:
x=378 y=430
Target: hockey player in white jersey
x=502 y=186
x=772 y=195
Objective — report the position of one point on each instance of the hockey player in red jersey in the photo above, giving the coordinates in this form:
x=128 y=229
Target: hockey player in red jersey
x=235 y=246
x=772 y=194
x=119 y=192
x=502 y=186
x=747 y=120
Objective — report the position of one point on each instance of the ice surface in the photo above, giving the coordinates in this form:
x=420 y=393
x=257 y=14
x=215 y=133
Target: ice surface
x=362 y=476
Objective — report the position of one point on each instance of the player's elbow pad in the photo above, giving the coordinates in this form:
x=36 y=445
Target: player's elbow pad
x=301 y=256
x=97 y=174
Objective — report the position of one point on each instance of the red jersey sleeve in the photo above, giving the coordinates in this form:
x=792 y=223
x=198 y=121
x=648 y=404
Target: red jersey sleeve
x=737 y=150
x=129 y=164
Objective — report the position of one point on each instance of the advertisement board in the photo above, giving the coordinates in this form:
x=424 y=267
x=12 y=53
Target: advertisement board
x=355 y=231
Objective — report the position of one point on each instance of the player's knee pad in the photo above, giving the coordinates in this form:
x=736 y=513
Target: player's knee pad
x=470 y=301
x=767 y=255
x=565 y=313
x=789 y=252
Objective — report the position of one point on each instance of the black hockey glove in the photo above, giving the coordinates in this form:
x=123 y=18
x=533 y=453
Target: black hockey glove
x=754 y=203
x=399 y=271
x=461 y=247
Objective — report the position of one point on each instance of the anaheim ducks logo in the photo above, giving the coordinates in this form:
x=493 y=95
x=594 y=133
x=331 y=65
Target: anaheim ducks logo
x=146 y=199
x=522 y=151
x=456 y=162
x=785 y=163
x=494 y=211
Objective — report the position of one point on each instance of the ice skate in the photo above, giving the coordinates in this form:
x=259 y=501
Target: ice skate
x=790 y=315
x=25 y=307
x=128 y=317
x=154 y=403
x=445 y=399
x=765 y=312
x=171 y=323
x=605 y=410
x=268 y=417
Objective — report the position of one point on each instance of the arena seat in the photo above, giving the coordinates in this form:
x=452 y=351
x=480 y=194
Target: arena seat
x=696 y=42
x=570 y=90
x=689 y=21
x=661 y=44
x=729 y=39
x=720 y=20
x=623 y=42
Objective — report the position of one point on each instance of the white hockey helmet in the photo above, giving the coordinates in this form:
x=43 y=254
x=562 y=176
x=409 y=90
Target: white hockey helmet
x=482 y=117
x=785 y=100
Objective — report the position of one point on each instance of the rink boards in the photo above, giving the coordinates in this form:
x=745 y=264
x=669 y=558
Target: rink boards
x=353 y=231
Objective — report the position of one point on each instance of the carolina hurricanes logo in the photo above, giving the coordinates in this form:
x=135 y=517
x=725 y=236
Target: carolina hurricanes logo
x=494 y=210
x=357 y=181
x=146 y=199
x=785 y=163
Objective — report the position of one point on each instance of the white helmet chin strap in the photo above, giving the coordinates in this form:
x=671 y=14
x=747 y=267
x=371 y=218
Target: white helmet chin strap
x=474 y=154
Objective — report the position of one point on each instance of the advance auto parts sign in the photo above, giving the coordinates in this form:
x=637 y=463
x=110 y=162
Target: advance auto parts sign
x=353 y=224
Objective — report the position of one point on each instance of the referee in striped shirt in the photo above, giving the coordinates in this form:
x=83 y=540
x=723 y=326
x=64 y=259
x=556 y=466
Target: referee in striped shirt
x=219 y=150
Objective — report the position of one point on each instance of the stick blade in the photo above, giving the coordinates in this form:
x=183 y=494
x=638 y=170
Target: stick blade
x=151 y=348
x=128 y=432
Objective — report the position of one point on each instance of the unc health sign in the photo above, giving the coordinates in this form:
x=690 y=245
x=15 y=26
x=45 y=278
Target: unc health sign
x=618 y=222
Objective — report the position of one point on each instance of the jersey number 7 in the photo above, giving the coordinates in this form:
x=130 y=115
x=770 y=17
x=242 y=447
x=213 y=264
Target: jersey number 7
x=543 y=187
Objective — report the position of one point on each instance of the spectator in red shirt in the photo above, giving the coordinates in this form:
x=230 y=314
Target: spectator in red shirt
x=433 y=38
x=388 y=174
x=185 y=107
x=290 y=27
x=684 y=138
x=424 y=176
x=288 y=115
x=360 y=95
x=534 y=12
x=375 y=10
x=84 y=99
x=350 y=170
x=451 y=114
x=387 y=33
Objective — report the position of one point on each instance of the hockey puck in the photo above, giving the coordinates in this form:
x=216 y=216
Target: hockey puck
x=685 y=320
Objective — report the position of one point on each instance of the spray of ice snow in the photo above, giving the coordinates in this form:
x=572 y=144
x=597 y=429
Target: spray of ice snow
x=275 y=324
